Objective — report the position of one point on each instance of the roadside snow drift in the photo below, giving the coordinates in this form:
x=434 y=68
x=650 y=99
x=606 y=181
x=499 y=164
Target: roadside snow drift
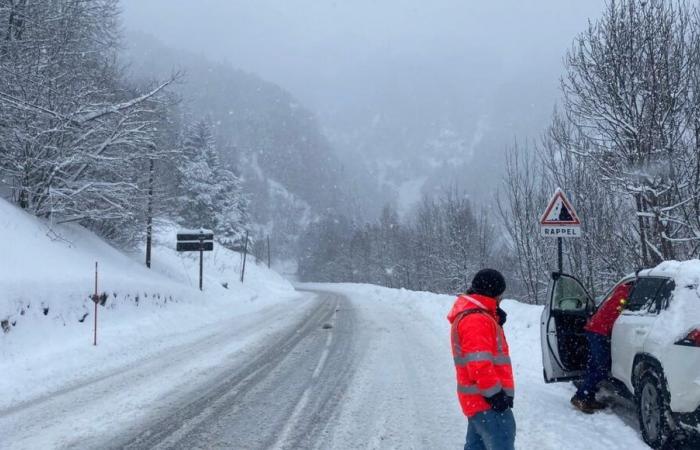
x=47 y=278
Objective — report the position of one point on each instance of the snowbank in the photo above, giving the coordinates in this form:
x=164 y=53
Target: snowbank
x=47 y=277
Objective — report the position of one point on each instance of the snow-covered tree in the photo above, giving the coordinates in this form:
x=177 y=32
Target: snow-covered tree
x=73 y=134
x=210 y=196
x=624 y=147
x=439 y=249
x=626 y=90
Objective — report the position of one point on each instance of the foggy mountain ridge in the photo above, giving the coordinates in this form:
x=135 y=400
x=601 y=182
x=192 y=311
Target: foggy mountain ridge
x=390 y=80
x=455 y=139
x=290 y=170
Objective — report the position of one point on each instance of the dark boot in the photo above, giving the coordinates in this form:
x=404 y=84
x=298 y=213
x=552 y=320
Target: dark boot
x=582 y=404
x=596 y=405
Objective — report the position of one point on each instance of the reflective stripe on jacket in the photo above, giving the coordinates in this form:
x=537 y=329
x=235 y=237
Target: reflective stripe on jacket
x=480 y=352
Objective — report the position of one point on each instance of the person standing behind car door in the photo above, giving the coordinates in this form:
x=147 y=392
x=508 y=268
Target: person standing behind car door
x=598 y=332
x=485 y=385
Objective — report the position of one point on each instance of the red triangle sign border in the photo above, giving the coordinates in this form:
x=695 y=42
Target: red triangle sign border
x=560 y=195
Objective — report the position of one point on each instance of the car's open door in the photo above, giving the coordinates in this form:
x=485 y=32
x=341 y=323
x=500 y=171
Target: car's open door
x=564 y=344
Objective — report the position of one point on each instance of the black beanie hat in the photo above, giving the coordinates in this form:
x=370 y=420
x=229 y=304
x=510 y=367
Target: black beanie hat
x=488 y=282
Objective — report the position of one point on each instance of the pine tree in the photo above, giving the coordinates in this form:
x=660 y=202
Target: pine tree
x=198 y=190
x=210 y=196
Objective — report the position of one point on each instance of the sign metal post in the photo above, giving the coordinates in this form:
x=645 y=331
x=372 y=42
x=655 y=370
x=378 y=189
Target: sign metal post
x=201 y=260
x=196 y=241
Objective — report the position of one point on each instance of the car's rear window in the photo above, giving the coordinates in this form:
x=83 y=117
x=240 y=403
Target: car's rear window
x=643 y=295
x=663 y=296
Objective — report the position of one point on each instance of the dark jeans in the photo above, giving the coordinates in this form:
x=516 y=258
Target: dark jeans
x=598 y=365
x=491 y=430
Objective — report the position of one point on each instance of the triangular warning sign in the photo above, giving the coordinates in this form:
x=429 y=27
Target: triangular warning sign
x=560 y=211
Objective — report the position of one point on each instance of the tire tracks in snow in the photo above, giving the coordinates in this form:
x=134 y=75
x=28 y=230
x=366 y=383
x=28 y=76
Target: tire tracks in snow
x=283 y=397
x=166 y=356
x=93 y=412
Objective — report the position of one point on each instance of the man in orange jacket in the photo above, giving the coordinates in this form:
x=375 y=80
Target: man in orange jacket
x=485 y=385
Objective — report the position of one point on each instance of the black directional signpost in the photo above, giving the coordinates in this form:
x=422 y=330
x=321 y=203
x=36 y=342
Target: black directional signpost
x=196 y=241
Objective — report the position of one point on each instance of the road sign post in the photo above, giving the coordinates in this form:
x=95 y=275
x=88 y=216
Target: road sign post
x=560 y=221
x=560 y=254
x=201 y=266
x=196 y=241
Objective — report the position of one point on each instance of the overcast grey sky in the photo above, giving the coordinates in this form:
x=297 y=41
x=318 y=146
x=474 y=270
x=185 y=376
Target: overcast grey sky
x=319 y=48
x=386 y=77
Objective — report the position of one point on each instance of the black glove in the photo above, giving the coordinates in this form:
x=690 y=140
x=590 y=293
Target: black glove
x=500 y=402
x=502 y=316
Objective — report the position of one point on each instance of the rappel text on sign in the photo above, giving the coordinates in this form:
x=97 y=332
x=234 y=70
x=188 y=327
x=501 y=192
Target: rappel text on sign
x=563 y=231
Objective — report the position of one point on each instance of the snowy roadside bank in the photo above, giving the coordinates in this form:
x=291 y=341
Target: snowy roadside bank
x=545 y=418
x=46 y=278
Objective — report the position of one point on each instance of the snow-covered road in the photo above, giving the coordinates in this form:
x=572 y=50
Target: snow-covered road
x=99 y=411
x=346 y=367
x=285 y=395
x=403 y=393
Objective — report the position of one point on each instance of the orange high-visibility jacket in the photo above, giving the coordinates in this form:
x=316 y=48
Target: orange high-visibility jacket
x=480 y=351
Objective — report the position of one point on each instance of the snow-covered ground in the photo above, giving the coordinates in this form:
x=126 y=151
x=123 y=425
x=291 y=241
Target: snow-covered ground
x=411 y=334
x=161 y=350
x=47 y=276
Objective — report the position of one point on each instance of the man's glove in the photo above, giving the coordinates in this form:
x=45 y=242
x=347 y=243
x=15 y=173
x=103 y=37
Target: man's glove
x=500 y=402
x=502 y=316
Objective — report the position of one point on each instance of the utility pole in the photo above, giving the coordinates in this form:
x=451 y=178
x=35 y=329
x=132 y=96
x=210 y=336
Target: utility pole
x=269 y=253
x=245 y=256
x=149 y=214
x=95 y=299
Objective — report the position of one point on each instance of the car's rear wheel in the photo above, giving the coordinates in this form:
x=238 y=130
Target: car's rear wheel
x=653 y=408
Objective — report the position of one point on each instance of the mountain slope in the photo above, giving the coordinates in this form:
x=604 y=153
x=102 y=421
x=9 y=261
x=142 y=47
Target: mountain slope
x=263 y=131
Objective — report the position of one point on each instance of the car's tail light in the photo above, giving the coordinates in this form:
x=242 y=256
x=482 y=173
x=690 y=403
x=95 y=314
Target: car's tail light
x=692 y=339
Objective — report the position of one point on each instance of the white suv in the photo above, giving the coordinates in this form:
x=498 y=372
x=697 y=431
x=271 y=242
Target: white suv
x=655 y=344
